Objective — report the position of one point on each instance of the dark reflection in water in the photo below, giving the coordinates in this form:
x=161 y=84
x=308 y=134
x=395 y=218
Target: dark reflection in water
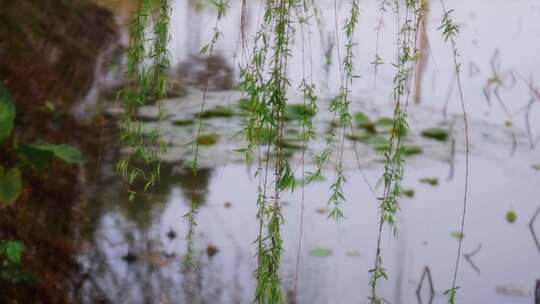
x=129 y=259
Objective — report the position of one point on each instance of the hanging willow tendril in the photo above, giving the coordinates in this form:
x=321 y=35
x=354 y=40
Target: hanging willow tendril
x=264 y=80
x=450 y=31
x=394 y=162
x=147 y=83
x=221 y=9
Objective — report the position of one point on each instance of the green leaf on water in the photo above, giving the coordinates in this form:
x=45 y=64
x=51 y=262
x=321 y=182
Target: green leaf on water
x=183 y=122
x=436 y=134
x=408 y=192
x=10 y=185
x=385 y=122
x=362 y=120
x=298 y=112
x=354 y=254
x=457 y=234
x=207 y=139
x=432 y=181
x=379 y=143
x=320 y=252
x=511 y=216
x=410 y=150
x=7 y=113
x=536 y=166
x=218 y=111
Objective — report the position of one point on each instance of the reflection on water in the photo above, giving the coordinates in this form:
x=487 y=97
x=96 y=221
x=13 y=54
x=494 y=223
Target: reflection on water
x=133 y=251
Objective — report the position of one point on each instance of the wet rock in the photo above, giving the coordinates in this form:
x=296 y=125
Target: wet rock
x=213 y=71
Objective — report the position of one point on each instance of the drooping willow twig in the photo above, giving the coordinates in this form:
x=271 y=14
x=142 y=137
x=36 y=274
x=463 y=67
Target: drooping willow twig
x=393 y=168
x=449 y=32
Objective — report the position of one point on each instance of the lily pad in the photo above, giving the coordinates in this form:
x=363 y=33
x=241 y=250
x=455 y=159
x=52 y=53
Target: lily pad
x=436 y=134
x=207 y=139
x=217 y=112
x=511 y=216
x=432 y=181
x=10 y=185
x=379 y=143
x=298 y=112
x=182 y=122
x=321 y=252
x=410 y=150
x=457 y=234
x=385 y=122
x=354 y=254
x=7 y=114
x=361 y=119
x=408 y=192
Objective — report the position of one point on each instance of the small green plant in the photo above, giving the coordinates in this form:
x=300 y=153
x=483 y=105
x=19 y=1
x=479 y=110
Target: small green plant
x=11 y=253
x=27 y=156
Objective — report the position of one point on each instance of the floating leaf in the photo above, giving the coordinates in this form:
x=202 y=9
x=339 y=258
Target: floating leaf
x=433 y=181
x=436 y=133
x=408 y=192
x=183 y=122
x=361 y=119
x=536 y=167
x=320 y=252
x=67 y=153
x=10 y=185
x=298 y=112
x=385 y=122
x=409 y=150
x=216 y=112
x=511 y=216
x=7 y=114
x=207 y=139
x=354 y=254
x=457 y=234
x=379 y=143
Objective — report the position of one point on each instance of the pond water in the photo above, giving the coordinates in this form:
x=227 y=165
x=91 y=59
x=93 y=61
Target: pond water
x=132 y=252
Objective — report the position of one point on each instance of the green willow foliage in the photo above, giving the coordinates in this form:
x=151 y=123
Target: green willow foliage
x=148 y=65
x=264 y=80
